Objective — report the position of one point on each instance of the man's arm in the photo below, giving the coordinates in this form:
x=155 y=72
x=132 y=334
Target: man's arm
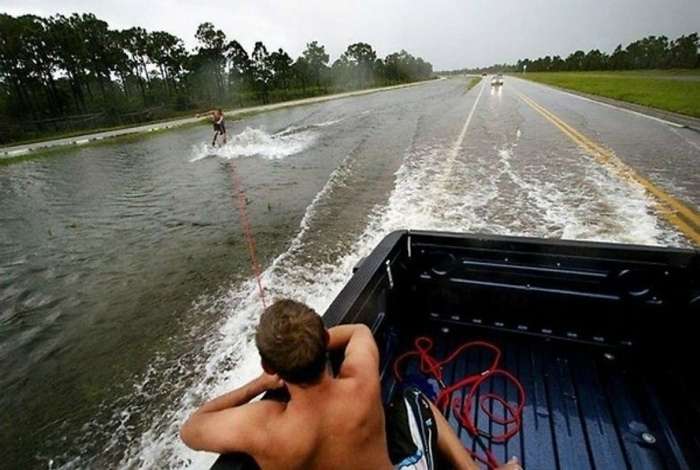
x=207 y=113
x=361 y=352
x=224 y=424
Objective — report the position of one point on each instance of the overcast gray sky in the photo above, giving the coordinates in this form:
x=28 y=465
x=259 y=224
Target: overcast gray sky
x=448 y=33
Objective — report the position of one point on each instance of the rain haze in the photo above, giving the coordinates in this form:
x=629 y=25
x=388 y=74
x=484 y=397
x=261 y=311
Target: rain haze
x=449 y=33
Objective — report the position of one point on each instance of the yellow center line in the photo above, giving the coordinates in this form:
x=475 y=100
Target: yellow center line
x=683 y=217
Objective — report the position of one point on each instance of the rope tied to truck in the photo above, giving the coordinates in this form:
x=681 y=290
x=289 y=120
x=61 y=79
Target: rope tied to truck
x=241 y=200
x=463 y=410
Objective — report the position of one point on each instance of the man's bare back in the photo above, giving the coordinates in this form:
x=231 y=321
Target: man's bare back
x=329 y=422
x=339 y=425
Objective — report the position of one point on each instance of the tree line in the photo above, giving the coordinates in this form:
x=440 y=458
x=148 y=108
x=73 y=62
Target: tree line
x=651 y=52
x=74 y=72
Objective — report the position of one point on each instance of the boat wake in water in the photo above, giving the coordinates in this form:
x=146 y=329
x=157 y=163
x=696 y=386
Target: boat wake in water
x=253 y=142
x=256 y=142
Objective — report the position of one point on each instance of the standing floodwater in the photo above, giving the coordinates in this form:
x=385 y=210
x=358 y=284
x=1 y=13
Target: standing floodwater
x=125 y=296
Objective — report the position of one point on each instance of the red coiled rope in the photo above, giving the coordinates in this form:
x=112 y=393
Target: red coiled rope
x=463 y=410
x=248 y=232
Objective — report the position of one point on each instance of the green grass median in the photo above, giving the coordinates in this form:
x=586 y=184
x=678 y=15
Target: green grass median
x=473 y=81
x=670 y=90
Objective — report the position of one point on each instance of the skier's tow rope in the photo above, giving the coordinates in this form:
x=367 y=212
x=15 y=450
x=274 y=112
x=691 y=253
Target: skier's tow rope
x=247 y=231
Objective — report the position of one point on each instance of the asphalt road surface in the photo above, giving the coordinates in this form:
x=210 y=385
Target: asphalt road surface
x=125 y=288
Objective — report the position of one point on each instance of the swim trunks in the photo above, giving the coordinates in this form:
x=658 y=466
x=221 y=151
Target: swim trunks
x=220 y=127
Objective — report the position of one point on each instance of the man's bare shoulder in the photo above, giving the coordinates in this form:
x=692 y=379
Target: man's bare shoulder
x=267 y=410
x=236 y=429
x=259 y=423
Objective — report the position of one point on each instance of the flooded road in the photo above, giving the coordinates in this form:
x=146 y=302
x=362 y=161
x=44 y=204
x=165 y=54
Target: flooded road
x=125 y=290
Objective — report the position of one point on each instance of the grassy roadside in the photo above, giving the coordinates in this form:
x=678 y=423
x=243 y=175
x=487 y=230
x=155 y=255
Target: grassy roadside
x=671 y=90
x=473 y=81
x=78 y=133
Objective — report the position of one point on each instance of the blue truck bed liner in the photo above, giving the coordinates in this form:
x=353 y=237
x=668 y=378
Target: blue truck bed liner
x=584 y=409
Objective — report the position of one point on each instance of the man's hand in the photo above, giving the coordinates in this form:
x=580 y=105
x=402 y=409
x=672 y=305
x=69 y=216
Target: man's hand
x=512 y=464
x=226 y=423
x=270 y=381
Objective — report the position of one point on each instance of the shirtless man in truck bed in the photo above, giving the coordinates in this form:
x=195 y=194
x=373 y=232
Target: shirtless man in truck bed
x=330 y=422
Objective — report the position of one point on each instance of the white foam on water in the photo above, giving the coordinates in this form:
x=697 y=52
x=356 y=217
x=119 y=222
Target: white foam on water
x=201 y=152
x=621 y=211
x=253 y=142
x=595 y=205
x=233 y=344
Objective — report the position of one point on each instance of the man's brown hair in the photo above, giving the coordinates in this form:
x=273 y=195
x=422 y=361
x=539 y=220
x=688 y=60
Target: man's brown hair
x=292 y=341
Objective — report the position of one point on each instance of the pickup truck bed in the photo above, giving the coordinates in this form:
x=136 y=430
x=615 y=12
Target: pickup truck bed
x=599 y=335
x=583 y=409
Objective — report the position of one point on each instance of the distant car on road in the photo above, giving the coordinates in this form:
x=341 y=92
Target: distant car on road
x=497 y=80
